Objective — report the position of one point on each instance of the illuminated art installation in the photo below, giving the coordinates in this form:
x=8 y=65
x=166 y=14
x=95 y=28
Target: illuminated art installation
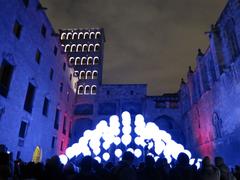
x=117 y=137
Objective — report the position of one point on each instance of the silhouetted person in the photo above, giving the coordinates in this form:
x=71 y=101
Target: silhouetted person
x=225 y=173
x=208 y=171
x=149 y=171
x=183 y=170
x=163 y=169
x=124 y=170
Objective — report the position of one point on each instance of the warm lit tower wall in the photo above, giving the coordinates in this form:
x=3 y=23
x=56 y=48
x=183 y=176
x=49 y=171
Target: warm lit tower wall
x=84 y=48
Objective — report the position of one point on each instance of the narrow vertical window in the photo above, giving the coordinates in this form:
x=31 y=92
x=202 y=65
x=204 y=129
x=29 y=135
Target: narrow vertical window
x=43 y=31
x=38 y=56
x=6 y=71
x=64 y=66
x=61 y=148
x=55 y=50
x=45 y=106
x=51 y=74
x=17 y=29
x=53 y=142
x=22 y=130
x=29 y=98
x=64 y=125
x=56 y=121
x=70 y=129
x=61 y=87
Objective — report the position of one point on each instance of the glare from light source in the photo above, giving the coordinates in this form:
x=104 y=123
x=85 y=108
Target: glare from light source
x=106 y=156
x=138 y=153
x=118 y=153
x=63 y=158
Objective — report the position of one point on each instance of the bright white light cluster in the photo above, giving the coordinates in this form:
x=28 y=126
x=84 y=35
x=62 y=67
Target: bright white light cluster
x=99 y=142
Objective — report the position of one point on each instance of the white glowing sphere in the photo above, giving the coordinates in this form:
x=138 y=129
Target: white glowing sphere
x=139 y=120
x=63 y=158
x=198 y=164
x=98 y=159
x=106 y=145
x=191 y=161
x=130 y=150
x=159 y=147
x=156 y=158
x=169 y=159
x=118 y=153
x=150 y=154
x=126 y=116
x=106 y=156
x=76 y=148
x=126 y=122
x=83 y=140
x=126 y=139
x=165 y=136
x=114 y=121
x=117 y=141
x=86 y=152
x=138 y=130
x=116 y=131
x=138 y=153
x=150 y=145
x=70 y=152
x=94 y=144
x=96 y=151
x=87 y=134
x=102 y=126
x=126 y=129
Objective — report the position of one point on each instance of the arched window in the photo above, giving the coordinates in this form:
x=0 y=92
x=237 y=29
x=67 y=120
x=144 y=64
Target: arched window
x=76 y=73
x=69 y=35
x=71 y=61
x=91 y=47
x=77 y=61
x=84 y=48
x=87 y=89
x=79 y=47
x=91 y=35
x=94 y=74
x=96 y=60
x=74 y=36
x=63 y=36
x=80 y=35
x=93 y=90
x=97 y=47
x=86 y=35
x=82 y=75
x=84 y=61
x=88 y=75
x=73 y=48
x=80 y=89
x=97 y=35
x=67 y=48
x=89 y=61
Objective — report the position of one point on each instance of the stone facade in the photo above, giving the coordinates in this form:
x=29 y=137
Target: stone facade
x=45 y=99
x=30 y=52
x=209 y=100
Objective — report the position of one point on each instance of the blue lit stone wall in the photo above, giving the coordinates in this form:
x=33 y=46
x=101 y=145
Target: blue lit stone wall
x=210 y=105
x=21 y=54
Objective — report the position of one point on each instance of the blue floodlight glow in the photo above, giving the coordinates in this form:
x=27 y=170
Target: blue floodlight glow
x=111 y=137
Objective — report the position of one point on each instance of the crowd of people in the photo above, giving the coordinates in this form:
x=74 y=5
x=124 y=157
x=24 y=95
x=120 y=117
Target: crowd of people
x=89 y=169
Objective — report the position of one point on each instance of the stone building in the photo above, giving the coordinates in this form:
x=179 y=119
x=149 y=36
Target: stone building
x=51 y=87
x=209 y=100
x=36 y=92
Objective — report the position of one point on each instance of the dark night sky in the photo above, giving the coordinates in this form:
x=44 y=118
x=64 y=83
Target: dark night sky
x=147 y=41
